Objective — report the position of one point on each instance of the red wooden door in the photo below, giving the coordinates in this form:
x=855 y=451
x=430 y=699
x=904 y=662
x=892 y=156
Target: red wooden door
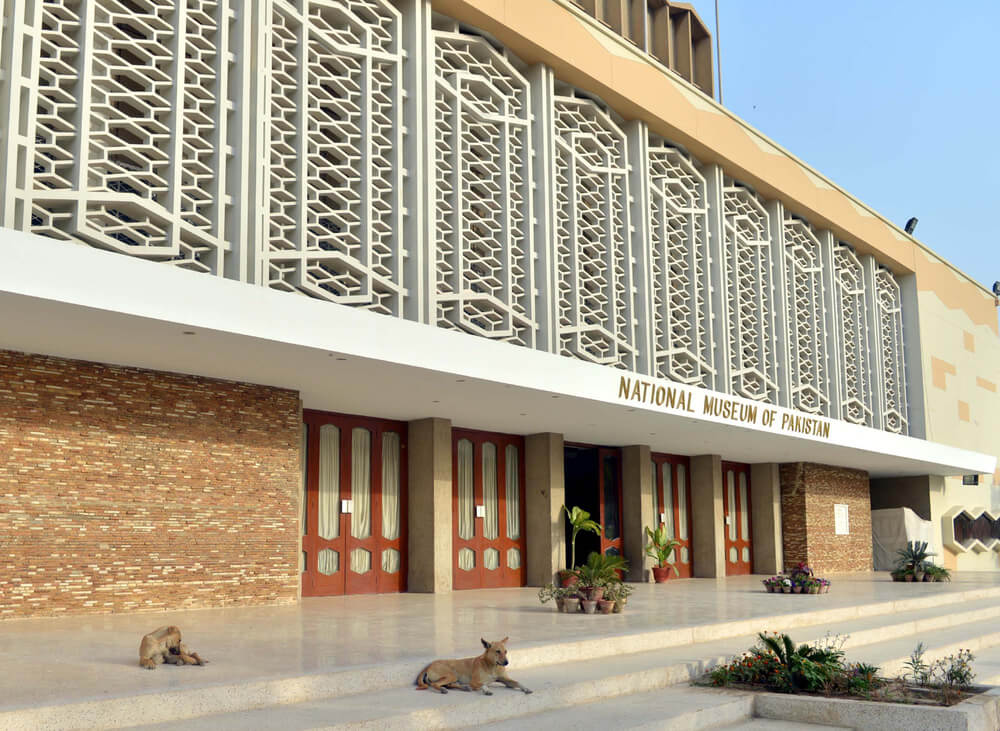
x=672 y=498
x=610 y=472
x=736 y=508
x=487 y=509
x=354 y=522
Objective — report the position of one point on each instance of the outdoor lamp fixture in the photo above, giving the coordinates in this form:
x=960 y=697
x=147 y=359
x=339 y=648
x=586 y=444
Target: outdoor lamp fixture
x=996 y=293
x=910 y=225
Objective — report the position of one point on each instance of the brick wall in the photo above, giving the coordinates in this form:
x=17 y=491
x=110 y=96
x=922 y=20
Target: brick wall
x=808 y=494
x=124 y=489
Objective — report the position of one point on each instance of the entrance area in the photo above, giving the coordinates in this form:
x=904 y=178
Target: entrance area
x=488 y=509
x=671 y=498
x=354 y=532
x=736 y=507
x=594 y=483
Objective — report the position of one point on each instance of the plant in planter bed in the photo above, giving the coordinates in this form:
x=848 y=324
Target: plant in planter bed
x=932 y=572
x=660 y=548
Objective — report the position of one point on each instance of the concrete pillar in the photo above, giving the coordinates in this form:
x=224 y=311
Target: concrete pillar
x=765 y=518
x=708 y=548
x=429 y=491
x=637 y=509
x=545 y=493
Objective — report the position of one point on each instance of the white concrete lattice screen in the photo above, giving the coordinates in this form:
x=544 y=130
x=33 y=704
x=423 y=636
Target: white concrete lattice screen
x=748 y=267
x=334 y=169
x=680 y=316
x=374 y=154
x=806 y=328
x=484 y=255
x=593 y=242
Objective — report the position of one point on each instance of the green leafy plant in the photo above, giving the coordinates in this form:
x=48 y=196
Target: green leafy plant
x=661 y=546
x=805 y=667
x=913 y=558
x=600 y=570
x=937 y=573
x=617 y=591
x=862 y=679
x=952 y=675
x=917 y=670
x=579 y=520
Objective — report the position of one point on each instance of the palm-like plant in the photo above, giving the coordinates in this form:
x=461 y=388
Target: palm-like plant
x=661 y=546
x=579 y=520
x=914 y=556
x=600 y=570
x=806 y=666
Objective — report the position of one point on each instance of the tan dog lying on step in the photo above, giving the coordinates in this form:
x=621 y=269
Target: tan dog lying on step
x=164 y=645
x=472 y=673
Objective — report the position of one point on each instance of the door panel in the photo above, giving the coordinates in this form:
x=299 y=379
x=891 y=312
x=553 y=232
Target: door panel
x=354 y=532
x=736 y=507
x=488 y=509
x=611 y=501
x=671 y=498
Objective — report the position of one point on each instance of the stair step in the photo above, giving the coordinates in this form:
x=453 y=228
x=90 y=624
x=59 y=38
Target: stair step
x=767 y=724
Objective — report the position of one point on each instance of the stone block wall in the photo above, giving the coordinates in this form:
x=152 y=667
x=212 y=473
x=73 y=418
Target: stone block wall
x=808 y=495
x=124 y=490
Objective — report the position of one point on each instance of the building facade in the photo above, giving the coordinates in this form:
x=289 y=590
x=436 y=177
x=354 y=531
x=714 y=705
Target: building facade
x=351 y=296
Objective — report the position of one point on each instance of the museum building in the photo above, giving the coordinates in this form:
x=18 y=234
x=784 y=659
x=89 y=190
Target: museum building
x=317 y=297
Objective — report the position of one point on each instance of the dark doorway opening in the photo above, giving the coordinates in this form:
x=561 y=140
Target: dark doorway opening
x=593 y=482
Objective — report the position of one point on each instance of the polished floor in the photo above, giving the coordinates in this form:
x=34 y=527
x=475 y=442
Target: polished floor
x=45 y=661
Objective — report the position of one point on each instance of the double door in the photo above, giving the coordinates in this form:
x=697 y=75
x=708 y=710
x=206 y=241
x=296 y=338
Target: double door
x=593 y=481
x=354 y=528
x=488 y=509
x=671 y=506
x=736 y=509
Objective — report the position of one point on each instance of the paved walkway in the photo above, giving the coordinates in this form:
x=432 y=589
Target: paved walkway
x=45 y=661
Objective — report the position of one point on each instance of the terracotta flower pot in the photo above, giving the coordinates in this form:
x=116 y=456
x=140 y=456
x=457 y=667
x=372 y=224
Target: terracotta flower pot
x=561 y=604
x=918 y=576
x=770 y=589
x=786 y=590
x=908 y=577
x=796 y=589
x=596 y=594
x=814 y=590
x=826 y=589
x=661 y=574
x=589 y=606
x=567 y=578
x=571 y=605
x=619 y=606
x=605 y=606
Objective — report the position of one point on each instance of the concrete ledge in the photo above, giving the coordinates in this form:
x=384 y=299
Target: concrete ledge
x=981 y=713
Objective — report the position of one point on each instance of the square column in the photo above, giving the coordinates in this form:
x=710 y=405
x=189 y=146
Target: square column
x=637 y=509
x=707 y=539
x=765 y=518
x=545 y=493
x=430 y=506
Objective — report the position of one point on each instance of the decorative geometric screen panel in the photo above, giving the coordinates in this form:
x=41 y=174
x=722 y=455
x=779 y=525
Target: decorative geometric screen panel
x=849 y=298
x=335 y=146
x=592 y=237
x=747 y=254
x=126 y=135
x=484 y=261
x=805 y=318
x=890 y=320
x=678 y=230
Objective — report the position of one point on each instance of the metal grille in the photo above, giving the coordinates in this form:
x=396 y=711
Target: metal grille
x=806 y=319
x=850 y=303
x=890 y=319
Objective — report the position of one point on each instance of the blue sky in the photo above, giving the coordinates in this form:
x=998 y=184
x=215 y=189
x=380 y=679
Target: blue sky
x=896 y=101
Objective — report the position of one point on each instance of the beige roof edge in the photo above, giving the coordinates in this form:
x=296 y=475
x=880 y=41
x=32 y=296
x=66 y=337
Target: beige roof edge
x=631 y=49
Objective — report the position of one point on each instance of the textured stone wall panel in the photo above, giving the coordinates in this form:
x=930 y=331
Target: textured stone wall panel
x=124 y=490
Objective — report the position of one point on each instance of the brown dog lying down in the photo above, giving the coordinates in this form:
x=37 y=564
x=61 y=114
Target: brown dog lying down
x=472 y=673
x=164 y=645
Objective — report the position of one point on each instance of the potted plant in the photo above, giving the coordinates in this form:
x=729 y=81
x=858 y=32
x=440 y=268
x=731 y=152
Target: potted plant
x=813 y=585
x=786 y=585
x=660 y=548
x=936 y=573
x=599 y=571
x=824 y=586
x=898 y=575
x=571 y=602
x=913 y=559
x=618 y=592
x=605 y=605
x=579 y=520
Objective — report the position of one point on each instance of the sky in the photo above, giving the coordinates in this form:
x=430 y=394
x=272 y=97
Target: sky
x=896 y=101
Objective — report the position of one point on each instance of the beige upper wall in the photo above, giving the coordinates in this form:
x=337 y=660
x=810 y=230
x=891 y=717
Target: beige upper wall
x=585 y=55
